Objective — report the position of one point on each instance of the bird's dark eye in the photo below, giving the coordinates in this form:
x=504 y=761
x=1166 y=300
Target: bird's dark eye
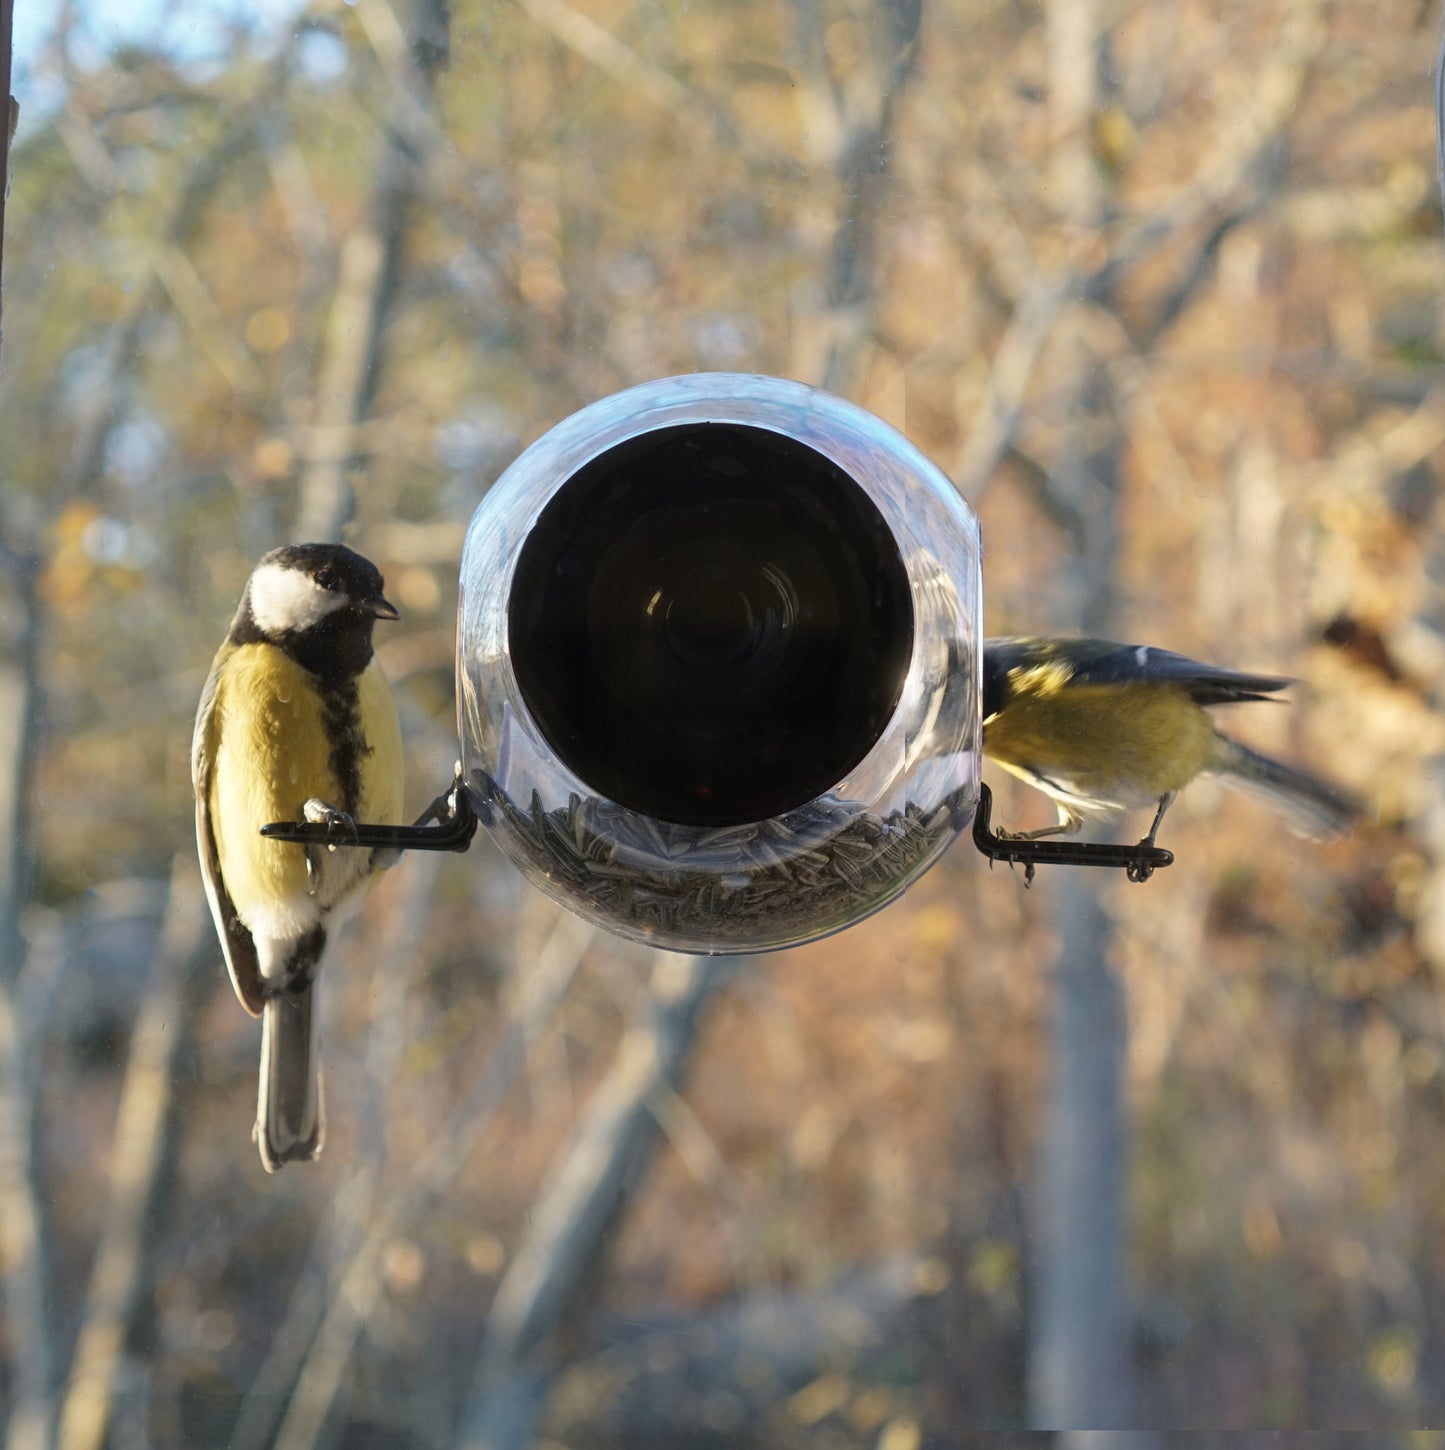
x=327 y=579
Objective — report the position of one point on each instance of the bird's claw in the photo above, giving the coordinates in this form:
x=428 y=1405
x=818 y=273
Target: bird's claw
x=1042 y=833
x=337 y=822
x=1029 y=867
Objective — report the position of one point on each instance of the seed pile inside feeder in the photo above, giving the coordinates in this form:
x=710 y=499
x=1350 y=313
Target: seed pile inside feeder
x=819 y=863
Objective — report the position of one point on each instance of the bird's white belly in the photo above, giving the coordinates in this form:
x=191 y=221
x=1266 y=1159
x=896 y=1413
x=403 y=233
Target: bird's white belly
x=287 y=917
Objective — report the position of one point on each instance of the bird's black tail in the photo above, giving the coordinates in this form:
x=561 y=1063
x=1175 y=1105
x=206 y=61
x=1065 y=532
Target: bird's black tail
x=1314 y=808
x=290 y=1116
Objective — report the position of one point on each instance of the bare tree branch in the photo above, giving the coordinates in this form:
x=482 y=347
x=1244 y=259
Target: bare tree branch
x=1080 y=1370
x=1000 y=410
x=864 y=170
x=357 y=1285
x=12 y=115
x=146 y=1097
x=670 y=1372
x=122 y=338
x=1440 y=117
x=22 y=1223
x=581 y=1203
x=1080 y=1374
x=849 y=124
x=295 y=1335
x=368 y=274
x=1230 y=185
x=640 y=76
x=1080 y=1366
x=20 y=726
x=22 y=1242
x=193 y=302
x=324 y=1354
x=21 y=1218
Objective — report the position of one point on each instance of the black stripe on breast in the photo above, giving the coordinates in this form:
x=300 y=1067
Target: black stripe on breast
x=341 y=718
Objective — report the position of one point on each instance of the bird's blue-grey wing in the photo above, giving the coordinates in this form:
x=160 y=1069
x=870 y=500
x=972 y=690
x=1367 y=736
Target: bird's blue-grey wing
x=1102 y=662
x=1206 y=684
x=236 y=941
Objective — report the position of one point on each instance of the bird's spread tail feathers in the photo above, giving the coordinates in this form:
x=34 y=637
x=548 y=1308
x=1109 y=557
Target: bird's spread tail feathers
x=1314 y=808
x=290 y=1116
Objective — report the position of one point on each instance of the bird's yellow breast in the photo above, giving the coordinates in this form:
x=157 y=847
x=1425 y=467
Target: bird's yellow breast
x=274 y=752
x=1140 y=741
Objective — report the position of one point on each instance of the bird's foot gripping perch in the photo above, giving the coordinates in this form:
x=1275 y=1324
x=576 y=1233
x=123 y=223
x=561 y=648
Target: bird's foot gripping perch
x=339 y=825
x=453 y=812
x=1138 y=862
x=340 y=830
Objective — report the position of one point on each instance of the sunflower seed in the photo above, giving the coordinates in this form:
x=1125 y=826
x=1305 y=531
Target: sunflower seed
x=817 y=864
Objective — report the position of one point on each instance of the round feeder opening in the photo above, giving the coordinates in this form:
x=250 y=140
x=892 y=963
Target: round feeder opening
x=711 y=623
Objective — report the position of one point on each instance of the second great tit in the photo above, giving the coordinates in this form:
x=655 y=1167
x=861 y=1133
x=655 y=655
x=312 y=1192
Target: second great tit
x=1101 y=727
x=296 y=720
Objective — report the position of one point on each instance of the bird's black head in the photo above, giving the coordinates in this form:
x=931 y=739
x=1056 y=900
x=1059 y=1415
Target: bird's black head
x=319 y=603
x=996 y=666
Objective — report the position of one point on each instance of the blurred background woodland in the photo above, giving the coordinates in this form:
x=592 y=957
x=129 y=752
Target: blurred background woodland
x=1159 y=284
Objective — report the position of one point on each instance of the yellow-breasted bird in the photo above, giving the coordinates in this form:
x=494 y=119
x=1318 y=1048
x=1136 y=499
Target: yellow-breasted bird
x=1101 y=727
x=296 y=721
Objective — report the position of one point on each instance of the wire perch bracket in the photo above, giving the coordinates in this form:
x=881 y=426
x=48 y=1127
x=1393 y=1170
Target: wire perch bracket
x=1139 y=862
x=453 y=811
x=456 y=819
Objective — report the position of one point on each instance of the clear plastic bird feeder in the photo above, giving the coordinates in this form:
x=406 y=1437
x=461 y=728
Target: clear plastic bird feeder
x=718 y=663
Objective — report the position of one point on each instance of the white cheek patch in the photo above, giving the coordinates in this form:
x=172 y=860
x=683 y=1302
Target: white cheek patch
x=283 y=599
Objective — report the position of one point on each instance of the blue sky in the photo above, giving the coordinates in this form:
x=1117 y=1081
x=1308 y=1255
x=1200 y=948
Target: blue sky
x=192 y=32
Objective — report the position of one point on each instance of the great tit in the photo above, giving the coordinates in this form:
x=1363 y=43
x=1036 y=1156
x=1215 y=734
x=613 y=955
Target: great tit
x=296 y=721
x=1102 y=727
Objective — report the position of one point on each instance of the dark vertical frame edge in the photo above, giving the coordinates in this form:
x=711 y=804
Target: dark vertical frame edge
x=7 y=25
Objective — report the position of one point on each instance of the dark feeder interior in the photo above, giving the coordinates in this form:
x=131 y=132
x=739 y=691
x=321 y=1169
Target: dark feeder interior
x=710 y=624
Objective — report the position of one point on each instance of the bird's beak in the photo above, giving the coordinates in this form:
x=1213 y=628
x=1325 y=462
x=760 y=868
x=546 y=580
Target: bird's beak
x=381 y=608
